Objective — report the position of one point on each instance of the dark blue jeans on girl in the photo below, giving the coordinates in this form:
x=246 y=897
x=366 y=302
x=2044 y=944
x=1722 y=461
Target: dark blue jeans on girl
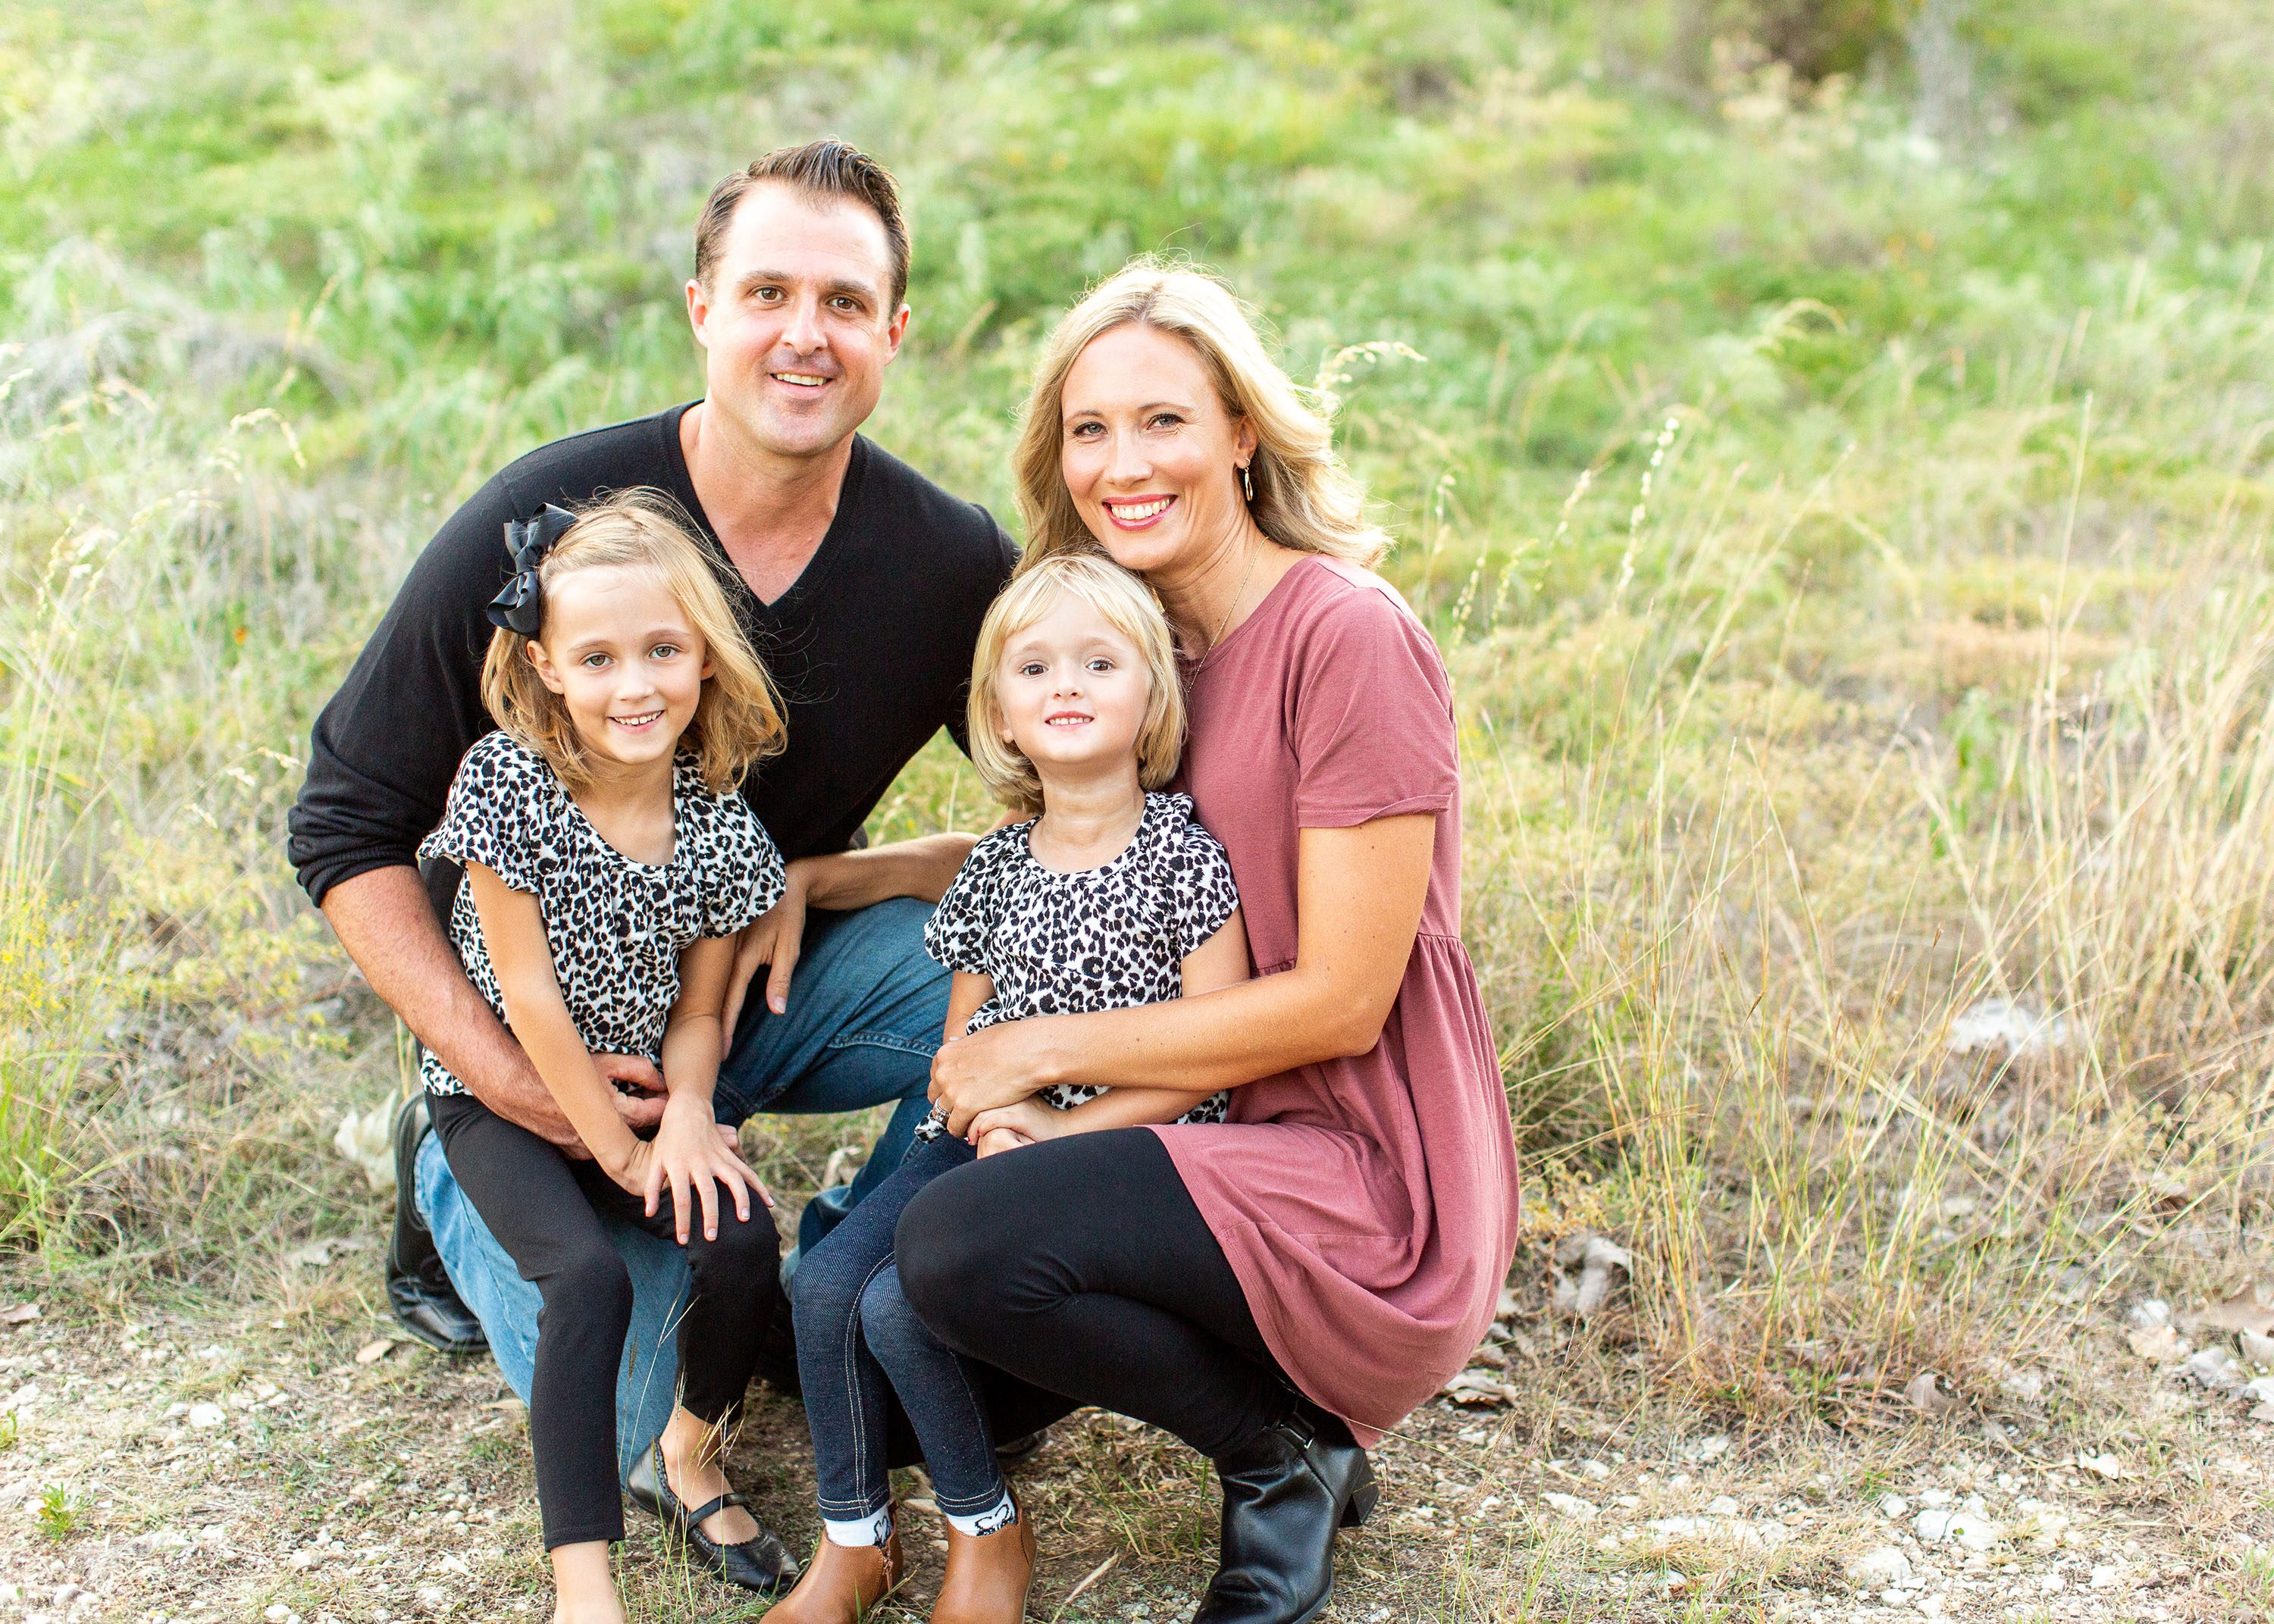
x=859 y=1342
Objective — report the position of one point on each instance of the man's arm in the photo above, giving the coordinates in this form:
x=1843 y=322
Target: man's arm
x=387 y=923
x=840 y=881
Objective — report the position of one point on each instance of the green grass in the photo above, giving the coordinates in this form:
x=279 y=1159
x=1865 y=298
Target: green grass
x=1842 y=503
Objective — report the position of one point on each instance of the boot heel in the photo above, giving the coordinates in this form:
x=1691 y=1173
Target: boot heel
x=1364 y=1497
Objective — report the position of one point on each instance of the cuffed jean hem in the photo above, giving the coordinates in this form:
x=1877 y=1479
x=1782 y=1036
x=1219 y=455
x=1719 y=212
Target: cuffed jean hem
x=951 y=1507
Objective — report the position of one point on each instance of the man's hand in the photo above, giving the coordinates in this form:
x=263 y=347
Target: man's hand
x=641 y=1110
x=774 y=939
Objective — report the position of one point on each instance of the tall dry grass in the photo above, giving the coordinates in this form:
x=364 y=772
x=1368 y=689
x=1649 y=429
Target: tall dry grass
x=1869 y=671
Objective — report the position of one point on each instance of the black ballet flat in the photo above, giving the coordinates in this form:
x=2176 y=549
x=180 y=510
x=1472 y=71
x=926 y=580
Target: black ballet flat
x=761 y=1563
x=1286 y=1496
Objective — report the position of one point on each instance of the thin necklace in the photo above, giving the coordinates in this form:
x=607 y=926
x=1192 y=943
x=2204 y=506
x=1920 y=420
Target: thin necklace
x=1233 y=606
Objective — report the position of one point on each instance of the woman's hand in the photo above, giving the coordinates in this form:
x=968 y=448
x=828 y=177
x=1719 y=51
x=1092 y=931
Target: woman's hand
x=1006 y=1127
x=694 y=1158
x=993 y=1067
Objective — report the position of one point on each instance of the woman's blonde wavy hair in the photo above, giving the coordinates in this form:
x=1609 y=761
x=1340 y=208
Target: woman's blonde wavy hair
x=738 y=722
x=1304 y=498
x=1126 y=604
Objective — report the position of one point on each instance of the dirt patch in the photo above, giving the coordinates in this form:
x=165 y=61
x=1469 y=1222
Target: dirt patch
x=210 y=1465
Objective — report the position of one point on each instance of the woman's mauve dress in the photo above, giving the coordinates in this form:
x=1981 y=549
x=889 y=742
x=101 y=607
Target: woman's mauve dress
x=1368 y=1206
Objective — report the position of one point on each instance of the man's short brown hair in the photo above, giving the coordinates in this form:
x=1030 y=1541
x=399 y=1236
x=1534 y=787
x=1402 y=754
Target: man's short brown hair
x=827 y=167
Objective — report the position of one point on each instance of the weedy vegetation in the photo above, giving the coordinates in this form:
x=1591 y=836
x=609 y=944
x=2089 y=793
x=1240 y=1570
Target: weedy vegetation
x=1830 y=444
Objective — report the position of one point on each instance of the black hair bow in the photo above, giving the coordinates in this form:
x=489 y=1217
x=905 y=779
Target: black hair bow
x=518 y=606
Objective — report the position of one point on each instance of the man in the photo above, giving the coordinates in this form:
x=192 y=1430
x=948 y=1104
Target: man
x=862 y=586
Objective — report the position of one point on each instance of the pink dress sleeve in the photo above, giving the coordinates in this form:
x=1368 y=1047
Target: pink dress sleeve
x=1372 y=731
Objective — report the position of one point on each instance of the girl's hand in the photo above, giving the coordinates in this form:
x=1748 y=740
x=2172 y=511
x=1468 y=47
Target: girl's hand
x=991 y=1068
x=995 y=1141
x=1010 y=1126
x=690 y=1154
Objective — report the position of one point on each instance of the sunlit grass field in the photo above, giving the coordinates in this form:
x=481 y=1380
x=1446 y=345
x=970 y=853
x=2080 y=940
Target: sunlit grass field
x=1841 y=496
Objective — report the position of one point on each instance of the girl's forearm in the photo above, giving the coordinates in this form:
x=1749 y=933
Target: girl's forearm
x=692 y=1048
x=1126 y=1108
x=575 y=1083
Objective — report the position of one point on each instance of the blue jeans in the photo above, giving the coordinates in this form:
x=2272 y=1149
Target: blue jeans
x=858 y=1340
x=866 y=1006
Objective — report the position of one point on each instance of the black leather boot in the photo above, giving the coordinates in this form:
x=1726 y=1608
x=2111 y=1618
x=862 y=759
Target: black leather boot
x=1284 y=1496
x=425 y=1303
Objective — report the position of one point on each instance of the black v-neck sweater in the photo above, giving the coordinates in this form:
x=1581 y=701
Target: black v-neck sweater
x=870 y=648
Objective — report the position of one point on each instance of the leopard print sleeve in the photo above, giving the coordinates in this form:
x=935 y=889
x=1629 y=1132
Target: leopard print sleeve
x=962 y=924
x=741 y=872
x=1201 y=892
x=498 y=813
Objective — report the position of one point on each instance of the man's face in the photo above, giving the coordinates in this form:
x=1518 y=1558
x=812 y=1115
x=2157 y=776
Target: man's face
x=798 y=325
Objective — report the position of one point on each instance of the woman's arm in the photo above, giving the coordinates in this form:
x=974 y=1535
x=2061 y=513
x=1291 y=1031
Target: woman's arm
x=1358 y=897
x=513 y=930
x=1221 y=961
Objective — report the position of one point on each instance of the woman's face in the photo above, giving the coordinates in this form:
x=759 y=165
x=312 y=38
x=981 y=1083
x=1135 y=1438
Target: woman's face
x=1149 y=455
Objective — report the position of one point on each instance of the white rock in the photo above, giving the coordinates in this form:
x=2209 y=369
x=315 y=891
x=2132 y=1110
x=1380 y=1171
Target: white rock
x=2256 y=1350
x=278 y=1612
x=1877 y=1569
x=206 y=1414
x=1722 y=1506
x=1894 y=1506
x=1974 y=1532
x=2150 y=1312
x=2106 y=1577
x=1571 y=1505
x=2214 y=1368
x=367 y=1140
x=2010 y=1025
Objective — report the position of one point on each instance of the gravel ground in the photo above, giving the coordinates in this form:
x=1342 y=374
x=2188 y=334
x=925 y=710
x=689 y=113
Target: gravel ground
x=279 y=1463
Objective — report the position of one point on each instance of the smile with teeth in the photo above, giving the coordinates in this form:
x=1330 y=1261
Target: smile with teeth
x=1067 y=719
x=1137 y=513
x=642 y=720
x=803 y=381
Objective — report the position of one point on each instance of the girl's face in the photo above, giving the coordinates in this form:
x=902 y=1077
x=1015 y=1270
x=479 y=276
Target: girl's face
x=626 y=660
x=1070 y=692
x=1149 y=455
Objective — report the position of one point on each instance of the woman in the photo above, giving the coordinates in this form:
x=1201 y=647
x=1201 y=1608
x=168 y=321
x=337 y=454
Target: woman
x=1346 y=1232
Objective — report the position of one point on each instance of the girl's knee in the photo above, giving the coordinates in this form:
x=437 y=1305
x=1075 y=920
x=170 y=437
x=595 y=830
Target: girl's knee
x=885 y=1310
x=593 y=1280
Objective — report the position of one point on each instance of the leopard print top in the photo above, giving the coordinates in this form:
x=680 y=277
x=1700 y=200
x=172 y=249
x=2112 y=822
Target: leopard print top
x=617 y=926
x=1101 y=938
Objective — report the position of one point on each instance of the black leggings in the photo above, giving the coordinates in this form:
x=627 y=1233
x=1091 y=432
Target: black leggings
x=1083 y=1266
x=545 y=1210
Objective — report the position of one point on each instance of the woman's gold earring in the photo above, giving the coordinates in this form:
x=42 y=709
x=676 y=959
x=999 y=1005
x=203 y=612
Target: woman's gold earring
x=1247 y=483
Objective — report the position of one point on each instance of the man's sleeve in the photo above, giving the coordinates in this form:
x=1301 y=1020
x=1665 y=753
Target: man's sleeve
x=383 y=751
x=1000 y=557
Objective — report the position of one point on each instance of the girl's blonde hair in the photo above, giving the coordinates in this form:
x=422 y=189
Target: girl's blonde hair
x=1304 y=498
x=737 y=723
x=1127 y=604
